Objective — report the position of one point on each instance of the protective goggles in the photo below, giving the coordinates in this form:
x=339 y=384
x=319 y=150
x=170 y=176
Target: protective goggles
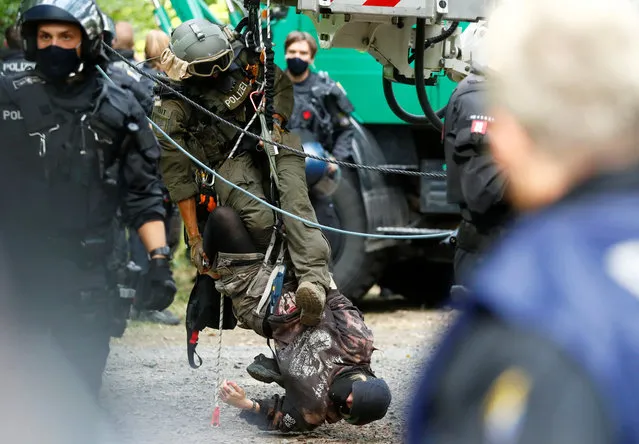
x=206 y=67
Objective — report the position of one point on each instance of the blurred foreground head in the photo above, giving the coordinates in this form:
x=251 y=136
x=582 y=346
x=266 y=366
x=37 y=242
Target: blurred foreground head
x=565 y=93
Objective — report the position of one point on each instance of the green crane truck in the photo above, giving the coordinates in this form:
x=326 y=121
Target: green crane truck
x=370 y=201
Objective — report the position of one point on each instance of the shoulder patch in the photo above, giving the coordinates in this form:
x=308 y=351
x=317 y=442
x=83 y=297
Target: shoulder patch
x=27 y=80
x=236 y=97
x=505 y=405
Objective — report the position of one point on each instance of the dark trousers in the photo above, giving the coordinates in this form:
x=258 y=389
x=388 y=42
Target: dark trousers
x=69 y=304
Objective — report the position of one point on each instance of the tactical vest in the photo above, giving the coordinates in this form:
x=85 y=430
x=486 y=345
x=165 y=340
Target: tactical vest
x=228 y=99
x=310 y=112
x=62 y=167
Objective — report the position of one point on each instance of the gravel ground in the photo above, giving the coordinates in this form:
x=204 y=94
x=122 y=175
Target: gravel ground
x=151 y=395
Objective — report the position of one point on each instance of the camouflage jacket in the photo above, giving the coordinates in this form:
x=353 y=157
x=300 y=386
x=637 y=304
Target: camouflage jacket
x=203 y=136
x=311 y=358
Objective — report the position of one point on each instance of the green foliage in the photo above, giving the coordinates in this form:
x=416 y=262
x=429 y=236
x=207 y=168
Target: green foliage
x=8 y=13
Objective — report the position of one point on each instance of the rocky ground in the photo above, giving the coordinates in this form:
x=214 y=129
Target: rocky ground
x=151 y=395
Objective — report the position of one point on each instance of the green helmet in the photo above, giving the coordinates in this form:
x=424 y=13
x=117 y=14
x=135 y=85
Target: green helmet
x=203 y=45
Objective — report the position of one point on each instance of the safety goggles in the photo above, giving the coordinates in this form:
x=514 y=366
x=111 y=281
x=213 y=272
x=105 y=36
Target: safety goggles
x=206 y=67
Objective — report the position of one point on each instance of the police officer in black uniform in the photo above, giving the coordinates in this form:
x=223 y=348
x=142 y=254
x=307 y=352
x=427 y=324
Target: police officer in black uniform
x=12 y=56
x=473 y=181
x=77 y=148
x=133 y=249
x=322 y=111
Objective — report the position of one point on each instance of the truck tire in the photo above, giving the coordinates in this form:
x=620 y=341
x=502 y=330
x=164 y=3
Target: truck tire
x=419 y=280
x=354 y=270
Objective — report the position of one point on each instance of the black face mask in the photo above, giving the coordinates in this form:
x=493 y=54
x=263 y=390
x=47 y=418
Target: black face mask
x=339 y=391
x=57 y=63
x=296 y=66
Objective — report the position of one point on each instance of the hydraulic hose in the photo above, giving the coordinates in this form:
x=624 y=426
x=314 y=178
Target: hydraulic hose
x=420 y=86
x=396 y=107
x=438 y=38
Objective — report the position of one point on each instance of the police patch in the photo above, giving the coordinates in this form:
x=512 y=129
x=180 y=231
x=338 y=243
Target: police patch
x=240 y=92
x=505 y=405
x=479 y=123
x=28 y=80
x=479 y=127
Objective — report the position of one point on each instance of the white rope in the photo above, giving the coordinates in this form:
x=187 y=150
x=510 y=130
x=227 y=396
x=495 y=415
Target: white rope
x=218 y=366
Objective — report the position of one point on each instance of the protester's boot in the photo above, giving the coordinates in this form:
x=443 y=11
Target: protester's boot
x=265 y=370
x=310 y=298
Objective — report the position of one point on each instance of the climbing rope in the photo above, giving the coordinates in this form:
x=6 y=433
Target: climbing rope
x=215 y=419
x=296 y=151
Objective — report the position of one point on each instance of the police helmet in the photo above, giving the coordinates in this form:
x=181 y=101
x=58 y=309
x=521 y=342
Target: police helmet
x=109 y=29
x=203 y=45
x=322 y=177
x=84 y=13
x=473 y=45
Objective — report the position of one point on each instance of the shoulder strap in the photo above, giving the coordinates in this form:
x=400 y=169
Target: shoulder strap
x=27 y=92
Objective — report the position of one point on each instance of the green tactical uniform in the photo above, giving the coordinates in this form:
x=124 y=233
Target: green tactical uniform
x=211 y=142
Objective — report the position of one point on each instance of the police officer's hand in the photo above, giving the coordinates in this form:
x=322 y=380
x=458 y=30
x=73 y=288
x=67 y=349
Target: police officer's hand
x=198 y=256
x=276 y=134
x=159 y=287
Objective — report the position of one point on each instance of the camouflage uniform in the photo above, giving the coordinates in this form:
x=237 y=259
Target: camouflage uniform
x=211 y=141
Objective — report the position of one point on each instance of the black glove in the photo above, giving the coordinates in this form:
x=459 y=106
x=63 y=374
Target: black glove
x=158 y=287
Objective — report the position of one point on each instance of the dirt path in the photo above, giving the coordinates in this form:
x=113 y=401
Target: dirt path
x=153 y=396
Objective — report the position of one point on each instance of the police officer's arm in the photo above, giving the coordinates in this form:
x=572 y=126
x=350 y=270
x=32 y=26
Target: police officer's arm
x=502 y=384
x=142 y=197
x=177 y=170
x=340 y=109
x=482 y=184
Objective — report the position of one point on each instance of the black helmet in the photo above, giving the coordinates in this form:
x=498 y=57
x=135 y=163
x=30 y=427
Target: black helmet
x=370 y=400
x=109 y=29
x=84 y=13
x=205 y=46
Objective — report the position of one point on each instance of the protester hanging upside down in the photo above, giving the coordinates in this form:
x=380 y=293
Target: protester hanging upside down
x=325 y=370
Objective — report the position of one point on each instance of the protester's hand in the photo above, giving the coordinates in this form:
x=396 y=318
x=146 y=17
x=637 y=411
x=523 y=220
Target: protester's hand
x=158 y=287
x=198 y=257
x=233 y=394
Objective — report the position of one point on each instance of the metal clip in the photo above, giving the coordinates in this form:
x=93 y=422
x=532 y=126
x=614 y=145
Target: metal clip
x=43 y=140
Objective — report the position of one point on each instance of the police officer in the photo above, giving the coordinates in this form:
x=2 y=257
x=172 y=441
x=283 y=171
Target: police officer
x=13 y=56
x=473 y=180
x=546 y=351
x=80 y=150
x=216 y=70
x=321 y=105
x=322 y=111
x=133 y=248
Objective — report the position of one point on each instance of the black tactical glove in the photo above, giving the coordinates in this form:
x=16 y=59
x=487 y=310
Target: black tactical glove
x=158 y=287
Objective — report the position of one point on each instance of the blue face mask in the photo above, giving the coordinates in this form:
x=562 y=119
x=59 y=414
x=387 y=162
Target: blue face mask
x=57 y=63
x=296 y=66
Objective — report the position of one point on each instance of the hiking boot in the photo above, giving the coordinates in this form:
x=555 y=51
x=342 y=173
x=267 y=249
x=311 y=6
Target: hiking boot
x=265 y=370
x=155 y=316
x=310 y=298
